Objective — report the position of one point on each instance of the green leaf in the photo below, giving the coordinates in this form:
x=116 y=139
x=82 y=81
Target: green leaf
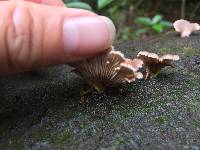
x=166 y=24
x=144 y=21
x=156 y=19
x=141 y=31
x=157 y=28
x=103 y=3
x=80 y=5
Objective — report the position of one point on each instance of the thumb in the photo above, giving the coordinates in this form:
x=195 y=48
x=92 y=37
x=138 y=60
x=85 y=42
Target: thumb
x=49 y=2
x=34 y=35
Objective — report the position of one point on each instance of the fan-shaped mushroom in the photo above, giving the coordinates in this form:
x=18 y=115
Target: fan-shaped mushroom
x=185 y=27
x=154 y=63
x=109 y=68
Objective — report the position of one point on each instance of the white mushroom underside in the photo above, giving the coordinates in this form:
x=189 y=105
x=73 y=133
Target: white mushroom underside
x=109 y=68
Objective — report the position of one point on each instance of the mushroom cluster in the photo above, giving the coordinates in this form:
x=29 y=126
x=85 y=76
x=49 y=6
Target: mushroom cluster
x=155 y=63
x=111 y=68
x=185 y=28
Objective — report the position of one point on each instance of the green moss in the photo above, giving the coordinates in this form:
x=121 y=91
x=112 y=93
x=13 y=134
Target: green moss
x=118 y=143
x=158 y=92
x=81 y=126
x=188 y=51
x=198 y=84
x=165 y=50
x=160 y=120
x=62 y=137
x=41 y=134
x=165 y=108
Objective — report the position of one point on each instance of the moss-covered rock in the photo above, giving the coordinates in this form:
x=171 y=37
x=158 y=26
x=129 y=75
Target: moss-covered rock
x=42 y=110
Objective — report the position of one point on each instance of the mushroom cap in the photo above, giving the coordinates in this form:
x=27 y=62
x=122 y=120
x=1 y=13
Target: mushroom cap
x=148 y=57
x=185 y=27
x=196 y=26
x=181 y=25
x=169 y=57
x=154 y=63
x=109 y=68
x=135 y=63
x=129 y=69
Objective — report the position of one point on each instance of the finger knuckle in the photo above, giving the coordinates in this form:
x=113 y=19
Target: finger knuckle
x=18 y=37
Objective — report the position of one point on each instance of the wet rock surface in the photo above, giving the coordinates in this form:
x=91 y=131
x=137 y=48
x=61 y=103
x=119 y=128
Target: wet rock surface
x=42 y=109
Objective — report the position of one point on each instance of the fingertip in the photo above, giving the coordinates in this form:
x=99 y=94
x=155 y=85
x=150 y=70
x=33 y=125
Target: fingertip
x=87 y=35
x=111 y=29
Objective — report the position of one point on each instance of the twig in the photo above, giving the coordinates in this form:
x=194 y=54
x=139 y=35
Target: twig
x=183 y=9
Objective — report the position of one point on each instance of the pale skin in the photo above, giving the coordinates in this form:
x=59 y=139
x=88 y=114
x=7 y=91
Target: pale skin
x=41 y=33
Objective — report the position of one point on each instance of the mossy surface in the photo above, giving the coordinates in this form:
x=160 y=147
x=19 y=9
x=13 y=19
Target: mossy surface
x=42 y=109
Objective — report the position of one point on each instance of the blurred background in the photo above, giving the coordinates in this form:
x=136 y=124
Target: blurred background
x=141 y=18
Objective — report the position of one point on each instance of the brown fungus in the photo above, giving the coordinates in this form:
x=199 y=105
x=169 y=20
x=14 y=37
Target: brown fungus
x=154 y=63
x=109 y=68
x=185 y=27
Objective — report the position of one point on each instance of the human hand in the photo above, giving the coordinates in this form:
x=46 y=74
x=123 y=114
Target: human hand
x=34 y=35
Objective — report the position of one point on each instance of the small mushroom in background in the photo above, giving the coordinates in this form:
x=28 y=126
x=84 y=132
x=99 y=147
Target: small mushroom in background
x=185 y=27
x=154 y=63
x=109 y=68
